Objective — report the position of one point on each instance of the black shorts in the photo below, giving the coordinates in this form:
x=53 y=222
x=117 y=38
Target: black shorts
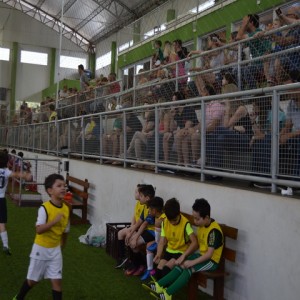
x=168 y=255
x=3 y=211
x=147 y=236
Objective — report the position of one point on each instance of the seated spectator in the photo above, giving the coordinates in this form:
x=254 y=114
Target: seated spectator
x=289 y=138
x=133 y=124
x=261 y=139
x=52 y=113
x=185 y=118
x=111 y=140
x=158 y=56
x=269 y=64
x=214 y=116
x=87 y=131
x=213 y=61
x=114 y=86
x=288 y=66
x=64 y=92
x=253 y=73
x=140 y=138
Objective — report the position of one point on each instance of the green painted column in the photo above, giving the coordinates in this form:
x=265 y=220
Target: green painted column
x=113 y=57
x=52 y=65
x=171 y=15
x=137 y=32
x=13 y=77
x=92 y=63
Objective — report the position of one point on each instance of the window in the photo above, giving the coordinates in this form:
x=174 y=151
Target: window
x=103 y=61
x=4 y=54
x=125 y=46
x=35 y=58
x=70 y=62
x=203 y=6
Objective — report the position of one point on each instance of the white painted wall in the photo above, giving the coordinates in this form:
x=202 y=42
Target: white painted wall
x=267 y=264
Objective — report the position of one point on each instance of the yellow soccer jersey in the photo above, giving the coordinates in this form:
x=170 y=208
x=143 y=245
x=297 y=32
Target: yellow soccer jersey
x=52 y=237
x=138 y=210
x=211 y=236
x=177 y=235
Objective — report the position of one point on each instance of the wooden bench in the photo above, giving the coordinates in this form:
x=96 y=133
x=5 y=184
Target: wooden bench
x=218 y=276
x=79 y=189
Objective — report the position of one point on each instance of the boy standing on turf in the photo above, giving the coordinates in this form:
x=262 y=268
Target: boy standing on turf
x=51 y=232
x=5 y=173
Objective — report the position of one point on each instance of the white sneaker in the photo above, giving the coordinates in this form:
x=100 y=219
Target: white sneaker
x=287 y=192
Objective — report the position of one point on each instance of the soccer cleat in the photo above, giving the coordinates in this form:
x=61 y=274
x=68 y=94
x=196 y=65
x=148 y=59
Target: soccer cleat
x=121 y=263
x=130 y=271
x=152 y=247
x=15 y=297
x=161 y=296
x=152 y=286
x=7 y=251
x=139 y=271
x=146 y=275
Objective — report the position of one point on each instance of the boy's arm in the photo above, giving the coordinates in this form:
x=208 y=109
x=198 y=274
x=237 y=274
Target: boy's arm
x=207 y=256
x=24 y=175
x=41 y=228
x=191 y=249
x=160 y=248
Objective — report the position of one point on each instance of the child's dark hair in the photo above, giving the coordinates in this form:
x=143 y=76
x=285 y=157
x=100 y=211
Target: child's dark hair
x=157 y=203
x=21 y=154
x=172 y=209
x=202 y=207
x=49 y=180
x=147 y=190
x=3 y=159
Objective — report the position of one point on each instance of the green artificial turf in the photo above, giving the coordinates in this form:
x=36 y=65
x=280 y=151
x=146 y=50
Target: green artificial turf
x=88 y=272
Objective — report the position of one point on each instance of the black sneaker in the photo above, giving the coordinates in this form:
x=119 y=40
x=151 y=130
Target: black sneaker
x=121 y=262
x=7 y=251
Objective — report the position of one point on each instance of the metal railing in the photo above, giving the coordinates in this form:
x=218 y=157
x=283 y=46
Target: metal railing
x=189 y=146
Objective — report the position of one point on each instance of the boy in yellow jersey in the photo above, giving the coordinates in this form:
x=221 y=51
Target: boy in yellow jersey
x=177 y=236
x=156 y=206
x=211 y=242
x=143 y=233
x=52 y=227
x=128 y=231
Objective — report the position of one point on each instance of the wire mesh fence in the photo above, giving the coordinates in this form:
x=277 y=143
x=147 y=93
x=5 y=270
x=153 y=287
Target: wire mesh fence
x=239 y=133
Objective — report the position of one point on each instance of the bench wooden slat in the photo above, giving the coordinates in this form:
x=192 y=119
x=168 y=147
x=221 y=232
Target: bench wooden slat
x=78 y=192
x=83 y=183
x=79 y=199
x=229 y=254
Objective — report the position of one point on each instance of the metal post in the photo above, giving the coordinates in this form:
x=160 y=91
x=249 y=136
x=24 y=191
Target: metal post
x=275 y=139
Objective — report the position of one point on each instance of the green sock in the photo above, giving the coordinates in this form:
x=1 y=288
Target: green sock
x=170 y=277
x=180 y=282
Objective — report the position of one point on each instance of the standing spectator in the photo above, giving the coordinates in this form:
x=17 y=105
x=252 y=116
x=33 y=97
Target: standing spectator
x=84 y=81
x=158 y=56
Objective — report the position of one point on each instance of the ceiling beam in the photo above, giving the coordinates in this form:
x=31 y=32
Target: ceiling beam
x=54 y=23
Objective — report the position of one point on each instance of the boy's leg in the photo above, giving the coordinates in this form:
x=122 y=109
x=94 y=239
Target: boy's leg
x=25 y=288
x=56 y=289
x=3 y=221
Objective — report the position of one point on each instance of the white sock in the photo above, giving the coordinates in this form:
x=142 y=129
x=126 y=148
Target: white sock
x=4 y=238
x=149 y=261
